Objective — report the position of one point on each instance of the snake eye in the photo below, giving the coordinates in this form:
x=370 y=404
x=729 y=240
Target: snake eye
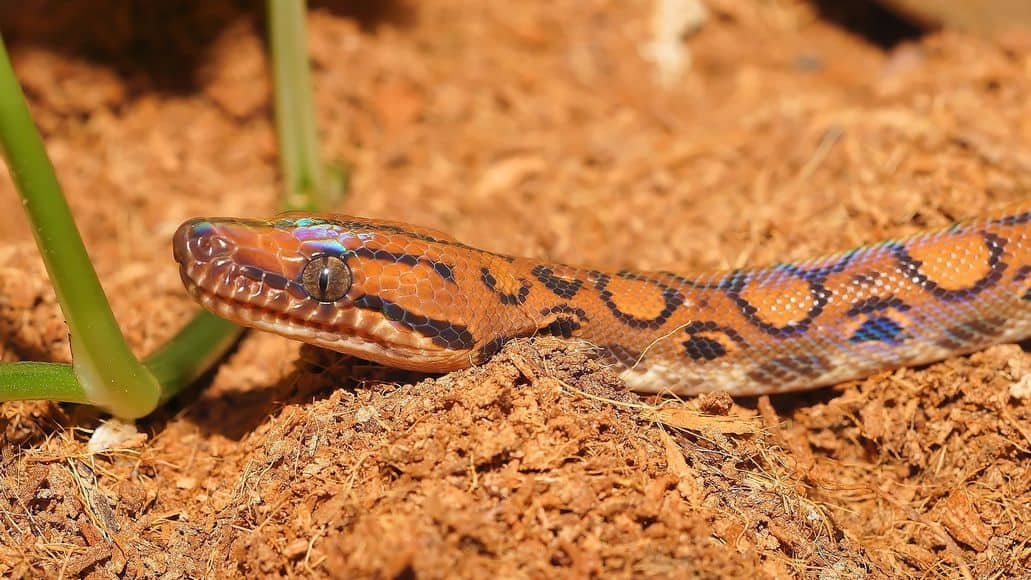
x=326 y=278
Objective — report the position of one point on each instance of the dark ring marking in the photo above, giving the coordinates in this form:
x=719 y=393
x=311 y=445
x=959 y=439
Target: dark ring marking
x=445 y=271
x=671 y=296
x=911 y=268
x=736 y=283
x=505 y=297
x=735 y=276
x=559 y=286
x=441 y=332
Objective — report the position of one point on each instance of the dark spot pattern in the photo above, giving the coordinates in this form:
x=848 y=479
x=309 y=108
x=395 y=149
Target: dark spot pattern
x=702 y=348
x=698 y=326
x=878 y=329
x=565 y=309
x=568 y=320
x=441 y=332
x=561 y=287
x=506 y=298
x=706 y=348
x=876 y=304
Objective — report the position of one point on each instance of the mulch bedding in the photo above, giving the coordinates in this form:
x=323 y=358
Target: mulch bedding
x=538 y=129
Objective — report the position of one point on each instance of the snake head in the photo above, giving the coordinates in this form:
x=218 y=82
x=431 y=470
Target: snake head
x=372 y=289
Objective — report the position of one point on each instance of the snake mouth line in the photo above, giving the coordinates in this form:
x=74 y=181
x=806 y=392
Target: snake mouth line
x=249 y=314
x=367 y=335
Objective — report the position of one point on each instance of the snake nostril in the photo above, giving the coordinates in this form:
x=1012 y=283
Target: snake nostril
x=196 y=240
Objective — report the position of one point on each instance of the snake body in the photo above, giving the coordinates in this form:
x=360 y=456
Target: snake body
x=418 y=299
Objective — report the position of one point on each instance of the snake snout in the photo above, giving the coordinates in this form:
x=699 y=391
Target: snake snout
x=198 y=241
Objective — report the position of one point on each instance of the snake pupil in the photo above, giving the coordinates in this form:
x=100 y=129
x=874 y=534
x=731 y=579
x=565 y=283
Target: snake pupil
x=324 y=274
x=326 y=278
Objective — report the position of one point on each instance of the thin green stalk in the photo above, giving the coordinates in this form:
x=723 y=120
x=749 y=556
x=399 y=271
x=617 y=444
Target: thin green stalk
x=204 y=340
x=191 y=352
x=23 y=381
x=303 y=176
x=109 y=373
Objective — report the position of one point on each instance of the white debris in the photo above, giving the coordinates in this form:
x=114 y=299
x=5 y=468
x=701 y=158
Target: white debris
x=672 y=21
x=115 y=434
x=1021 y=389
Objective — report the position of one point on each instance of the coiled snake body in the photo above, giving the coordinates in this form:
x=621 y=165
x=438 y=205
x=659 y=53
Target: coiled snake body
x=415 y=298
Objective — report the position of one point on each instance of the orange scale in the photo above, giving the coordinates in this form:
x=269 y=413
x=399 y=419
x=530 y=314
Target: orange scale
x=408 y=278
x=369 y=268
x=426 y=293
x=374 y=285
x=407 y=290
x=773 y=305
x=400 y=272
x=387 y=244
x=259 y=258
x=639 y=299
x=506 y=283
x=276 y=244
x=429 y=290
x=387 y=283
x=953 y=262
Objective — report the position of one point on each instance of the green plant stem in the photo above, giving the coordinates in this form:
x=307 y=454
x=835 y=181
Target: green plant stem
x=109 y=373
x=191 y=352
x=304 y=179
x=22 y=381
x=199 y=344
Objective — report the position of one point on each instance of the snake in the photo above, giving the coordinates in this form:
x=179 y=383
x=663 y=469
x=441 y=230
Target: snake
x=415 y=298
